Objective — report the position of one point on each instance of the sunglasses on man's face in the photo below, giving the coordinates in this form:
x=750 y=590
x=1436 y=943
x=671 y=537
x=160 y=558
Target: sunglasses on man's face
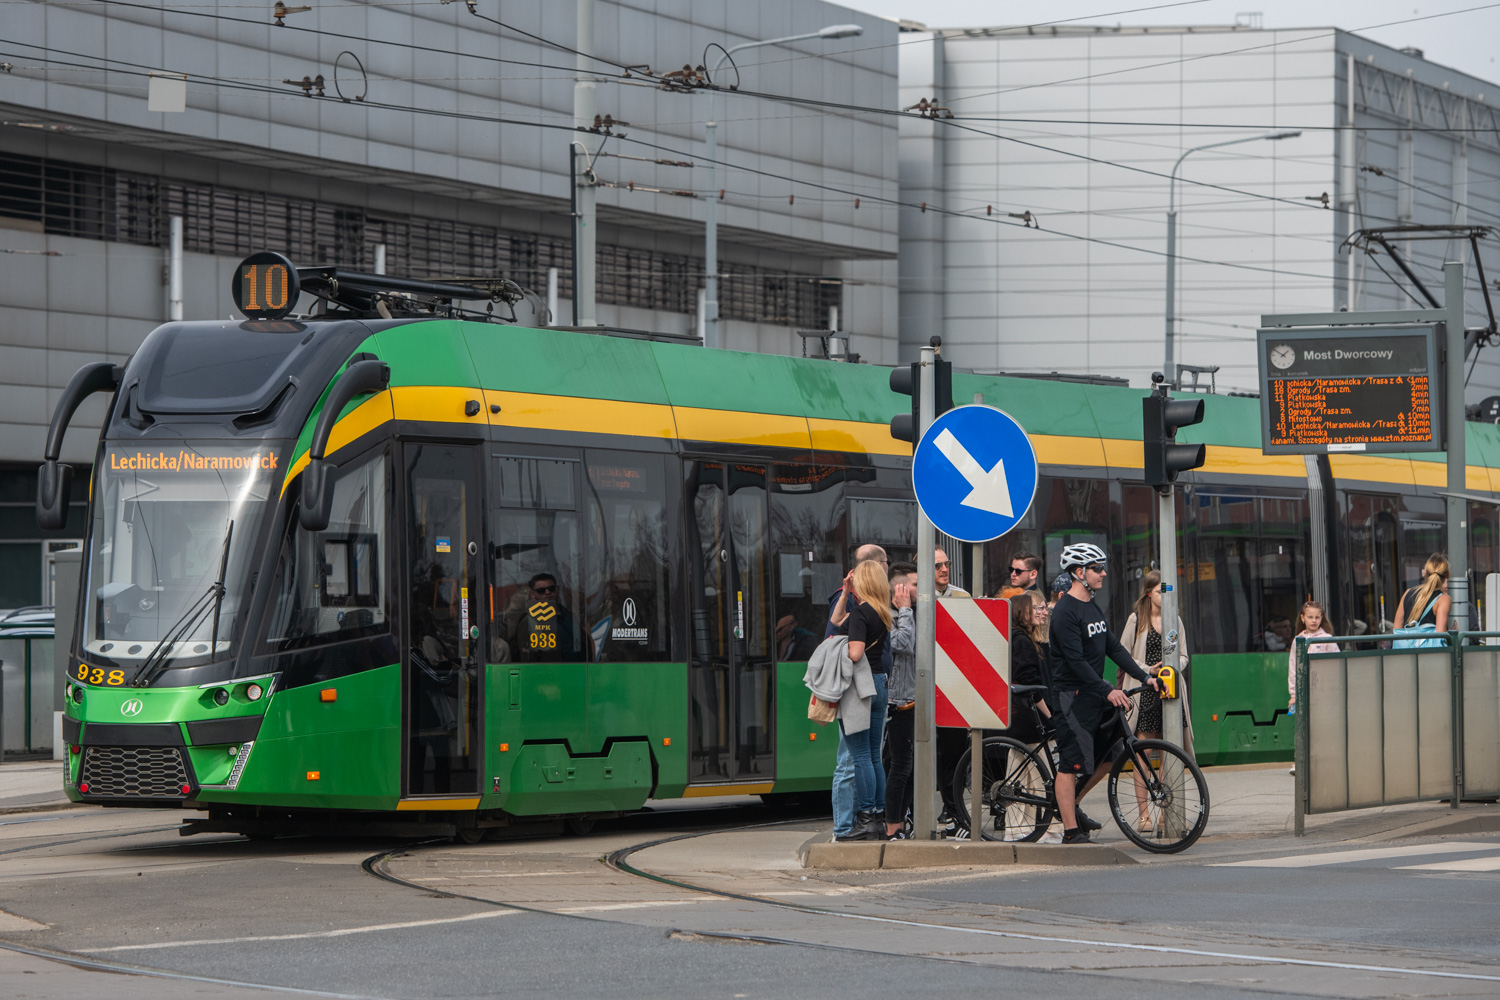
x=546 y=590
x=941 y=565
x=1017 y=570
x=1095 y=568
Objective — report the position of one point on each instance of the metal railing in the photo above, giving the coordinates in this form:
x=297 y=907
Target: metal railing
x=1385 y=726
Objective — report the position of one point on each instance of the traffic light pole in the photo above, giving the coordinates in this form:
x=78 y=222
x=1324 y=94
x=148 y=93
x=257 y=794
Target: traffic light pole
x=924 y=786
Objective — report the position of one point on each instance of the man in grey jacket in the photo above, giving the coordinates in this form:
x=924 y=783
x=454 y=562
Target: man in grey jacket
x=902 y=689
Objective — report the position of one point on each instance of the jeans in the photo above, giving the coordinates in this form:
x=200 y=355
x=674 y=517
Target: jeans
x=864 y=754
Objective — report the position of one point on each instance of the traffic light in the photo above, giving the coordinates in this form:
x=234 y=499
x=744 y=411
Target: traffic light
x=907 y=380
x=1161 y=416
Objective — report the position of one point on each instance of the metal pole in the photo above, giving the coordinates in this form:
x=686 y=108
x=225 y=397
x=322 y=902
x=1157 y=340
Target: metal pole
x=711 y=240
x=380 y=258
x=585 y=106
x=1167 y=369
x=1456 y=707
x=174 y=270
x=976 y=736
x=1300 y=754
x=1171 y=714
x=924 y=819
x=573 y=204
x=551 y=296
x=1458 y=514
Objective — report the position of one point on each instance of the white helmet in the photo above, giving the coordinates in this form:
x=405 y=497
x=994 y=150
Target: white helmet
x=1082 y=554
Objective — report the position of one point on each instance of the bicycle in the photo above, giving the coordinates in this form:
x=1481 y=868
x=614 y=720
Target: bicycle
x=1167 y=794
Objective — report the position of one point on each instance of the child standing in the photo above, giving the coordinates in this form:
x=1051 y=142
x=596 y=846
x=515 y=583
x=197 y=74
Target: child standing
x=1310 y=619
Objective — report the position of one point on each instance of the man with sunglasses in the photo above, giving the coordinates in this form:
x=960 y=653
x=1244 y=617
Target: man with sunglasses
x=942 y=573
x=1083 y=716
x=1025 y=568
x=540 y=628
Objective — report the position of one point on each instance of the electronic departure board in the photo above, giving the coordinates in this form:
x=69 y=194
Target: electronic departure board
x=1342 y=389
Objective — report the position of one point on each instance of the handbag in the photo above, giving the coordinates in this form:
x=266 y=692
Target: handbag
x=1422 y=635
x=822 y=712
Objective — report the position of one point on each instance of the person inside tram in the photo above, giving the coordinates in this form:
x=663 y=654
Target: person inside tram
x=793 y=642
x=538 y=626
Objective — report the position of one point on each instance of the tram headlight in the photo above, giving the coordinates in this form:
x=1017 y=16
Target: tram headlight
x=221 y=697
x=77 y=694
x=254 y=691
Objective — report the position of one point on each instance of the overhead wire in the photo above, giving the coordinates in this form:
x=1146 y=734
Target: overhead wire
x=845 y=108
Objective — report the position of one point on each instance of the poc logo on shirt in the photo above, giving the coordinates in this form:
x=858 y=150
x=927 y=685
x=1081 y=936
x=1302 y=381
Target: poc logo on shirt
x=1097 y=628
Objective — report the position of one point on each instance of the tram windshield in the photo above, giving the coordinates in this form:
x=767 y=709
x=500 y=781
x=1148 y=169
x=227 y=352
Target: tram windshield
x=174 y=532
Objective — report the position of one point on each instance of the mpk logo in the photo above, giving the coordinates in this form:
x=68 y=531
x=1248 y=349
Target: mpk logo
x=132 y=707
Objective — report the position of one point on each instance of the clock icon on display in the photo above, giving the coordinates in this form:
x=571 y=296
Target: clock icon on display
x=1284 y=356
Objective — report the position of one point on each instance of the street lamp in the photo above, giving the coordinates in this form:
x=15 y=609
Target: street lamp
x=711 y=226
x=1168 y=369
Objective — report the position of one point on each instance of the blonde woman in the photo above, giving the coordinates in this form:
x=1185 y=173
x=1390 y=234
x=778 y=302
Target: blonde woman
x=1427 y=604
x=868 y=626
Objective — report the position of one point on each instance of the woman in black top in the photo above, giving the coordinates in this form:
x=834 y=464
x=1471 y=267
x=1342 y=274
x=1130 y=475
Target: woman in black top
x=869 y=625
x=1028 y=665
x=1428 y=603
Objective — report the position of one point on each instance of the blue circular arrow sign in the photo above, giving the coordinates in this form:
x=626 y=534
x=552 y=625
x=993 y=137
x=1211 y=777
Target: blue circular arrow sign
x=975 y=473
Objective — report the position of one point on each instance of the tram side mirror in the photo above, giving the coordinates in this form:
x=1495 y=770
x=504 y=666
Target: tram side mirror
x=54 y=483
x=317 y=497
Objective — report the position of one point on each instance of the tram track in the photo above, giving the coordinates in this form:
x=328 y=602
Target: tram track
x=941 y=941
x=92 y=963
x=619 y=861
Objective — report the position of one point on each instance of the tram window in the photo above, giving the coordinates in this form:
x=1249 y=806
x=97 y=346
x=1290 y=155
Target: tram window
x=891 y=524
x=1245 y=572
x=536 y=562
x=331 y=585
x=809 y=534
x=540 y=483
x=629 y=555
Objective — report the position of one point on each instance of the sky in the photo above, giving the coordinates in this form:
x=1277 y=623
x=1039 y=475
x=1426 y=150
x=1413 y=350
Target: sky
x=1462 y=35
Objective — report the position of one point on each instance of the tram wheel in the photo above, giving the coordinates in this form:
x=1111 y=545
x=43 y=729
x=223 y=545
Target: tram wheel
x=579 y=826
x=469 y=834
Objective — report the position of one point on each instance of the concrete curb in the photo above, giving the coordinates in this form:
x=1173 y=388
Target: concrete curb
x=1468 y=820
x=818 y=852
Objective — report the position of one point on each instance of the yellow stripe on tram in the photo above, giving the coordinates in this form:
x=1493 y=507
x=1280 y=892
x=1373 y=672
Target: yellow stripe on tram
x=537 y=411
x=434 y=805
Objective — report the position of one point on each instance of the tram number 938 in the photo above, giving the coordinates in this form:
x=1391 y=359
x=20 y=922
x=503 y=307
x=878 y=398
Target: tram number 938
x=97 y=675
x=543 y=640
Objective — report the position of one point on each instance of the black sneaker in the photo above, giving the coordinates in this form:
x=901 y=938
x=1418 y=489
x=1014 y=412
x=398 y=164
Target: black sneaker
x=1076 y=836
x=952 y=831
x=1085 y=822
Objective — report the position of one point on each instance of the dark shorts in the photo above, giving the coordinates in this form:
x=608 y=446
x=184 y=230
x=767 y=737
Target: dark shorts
x=1085 y=724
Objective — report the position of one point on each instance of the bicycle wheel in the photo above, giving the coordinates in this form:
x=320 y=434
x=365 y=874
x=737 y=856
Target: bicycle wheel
x=1162 y=805
x=1016 y=794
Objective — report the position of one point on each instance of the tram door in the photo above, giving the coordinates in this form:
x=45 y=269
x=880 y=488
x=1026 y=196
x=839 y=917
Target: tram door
x=443 y=661
x=732 y=669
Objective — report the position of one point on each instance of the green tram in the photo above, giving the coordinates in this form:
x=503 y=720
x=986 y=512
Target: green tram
x=393 y=561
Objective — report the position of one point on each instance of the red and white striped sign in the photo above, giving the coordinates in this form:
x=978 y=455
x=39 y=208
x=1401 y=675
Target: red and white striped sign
x=973 y=662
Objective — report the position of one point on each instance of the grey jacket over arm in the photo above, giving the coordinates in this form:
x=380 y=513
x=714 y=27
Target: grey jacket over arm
x=831 y=676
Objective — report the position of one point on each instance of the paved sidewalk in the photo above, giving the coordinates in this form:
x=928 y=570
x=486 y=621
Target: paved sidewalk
x=31 y=785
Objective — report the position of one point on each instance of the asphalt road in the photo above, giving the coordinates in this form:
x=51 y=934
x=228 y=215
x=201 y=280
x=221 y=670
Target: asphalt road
x=546 y=918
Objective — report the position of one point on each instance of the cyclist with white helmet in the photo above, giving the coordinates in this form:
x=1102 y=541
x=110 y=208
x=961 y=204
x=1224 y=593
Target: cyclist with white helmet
x=1081 y=640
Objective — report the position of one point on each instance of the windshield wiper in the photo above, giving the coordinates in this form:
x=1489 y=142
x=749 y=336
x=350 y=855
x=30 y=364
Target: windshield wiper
x=219 y=587
x=155 y=663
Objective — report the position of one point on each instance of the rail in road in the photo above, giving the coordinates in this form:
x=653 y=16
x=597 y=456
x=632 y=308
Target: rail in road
x=305 y=917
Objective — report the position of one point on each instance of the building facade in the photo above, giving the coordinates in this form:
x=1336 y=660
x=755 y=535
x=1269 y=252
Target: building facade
x=1044 y=246
x=440 y=140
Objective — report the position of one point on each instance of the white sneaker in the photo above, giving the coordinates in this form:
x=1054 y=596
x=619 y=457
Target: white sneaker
x=1292 y=769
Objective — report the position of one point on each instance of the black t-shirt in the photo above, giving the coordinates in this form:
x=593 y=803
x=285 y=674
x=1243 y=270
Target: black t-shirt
x=1080 y=641
x=1408 y=605
x=865 y=626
